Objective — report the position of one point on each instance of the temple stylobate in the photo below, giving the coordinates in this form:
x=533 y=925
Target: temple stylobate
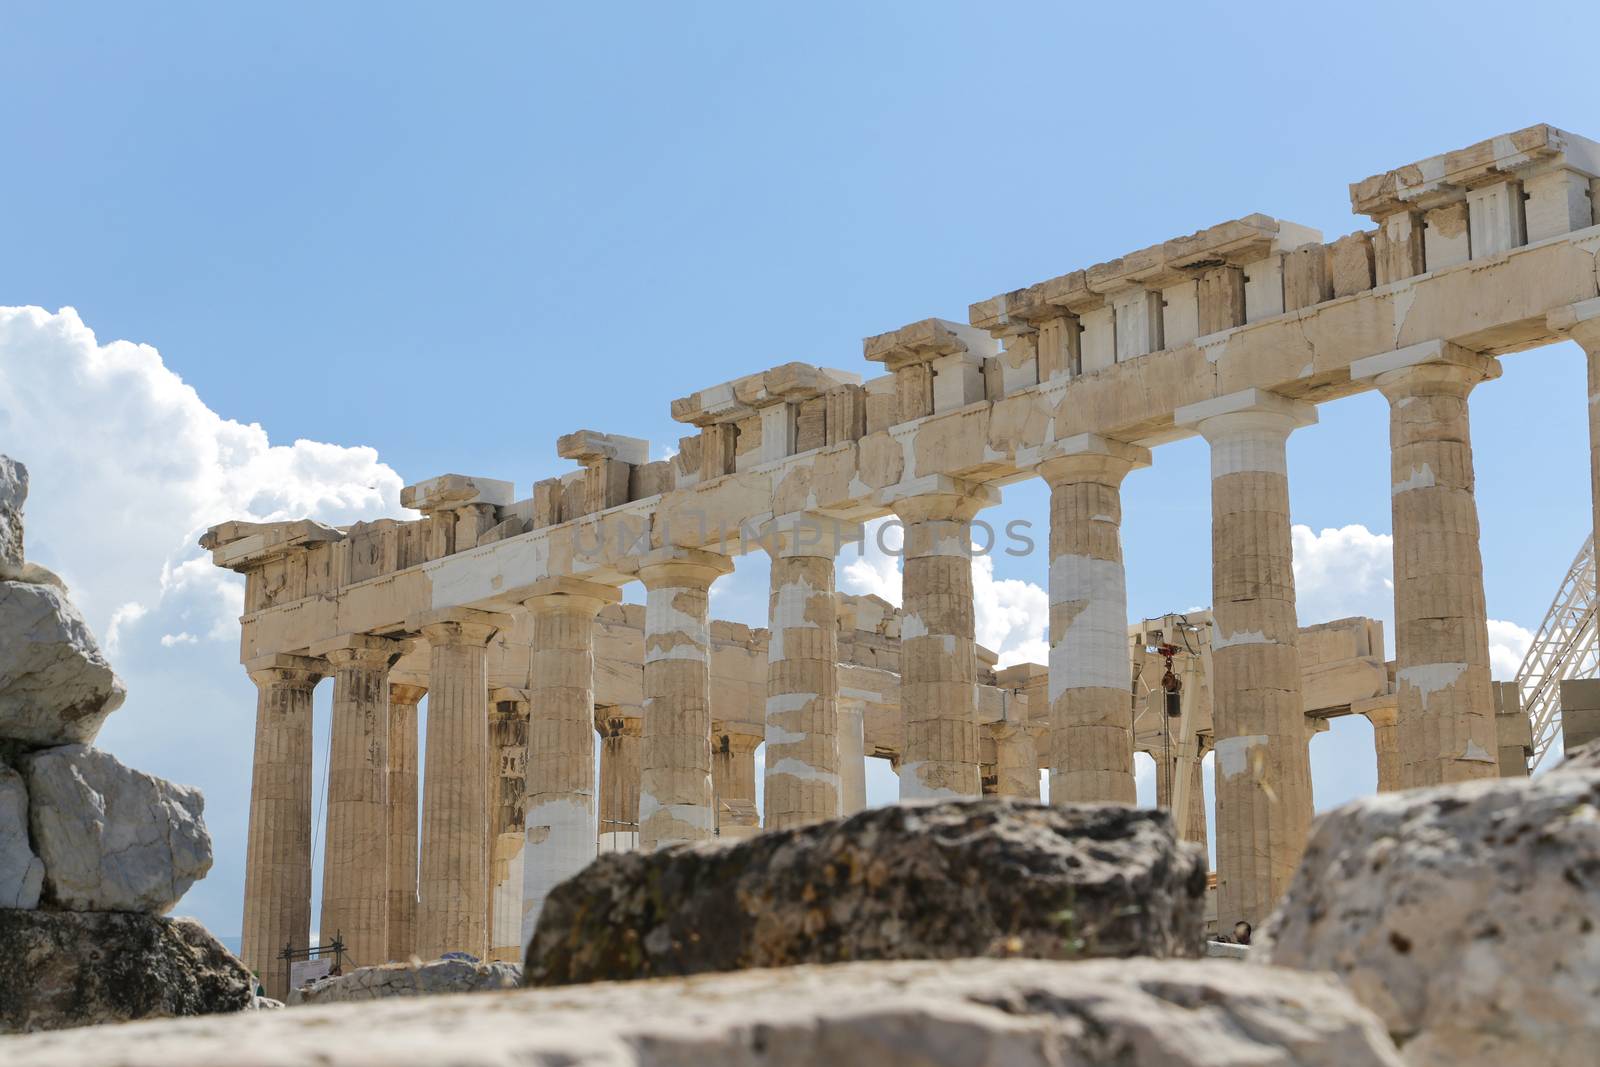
x=503 y=609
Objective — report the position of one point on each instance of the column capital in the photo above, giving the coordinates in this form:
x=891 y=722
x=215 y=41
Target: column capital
x=809 y=533
x=1246 y=410
x=738 y=743
x=1399 y=373
x=939 y=498
x=1088 y=457
x=682 y=568
x=1380 y=710
x=614 y=720
x=502 y=693
x=361 y=650
x=568 y=594
x=1580 y=322
x=457 y=626
x=406 y=693
x=300 y=672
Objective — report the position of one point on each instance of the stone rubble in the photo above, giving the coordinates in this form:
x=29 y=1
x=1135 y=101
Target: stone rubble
x=413 y=979
x=965 y=1013
x=1465 y=916
x=91 y=852
x=942 y=880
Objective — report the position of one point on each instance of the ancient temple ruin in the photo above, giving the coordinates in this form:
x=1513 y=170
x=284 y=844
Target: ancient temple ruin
x=505 y=611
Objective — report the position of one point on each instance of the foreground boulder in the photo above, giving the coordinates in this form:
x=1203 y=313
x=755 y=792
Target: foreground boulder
x=112 y=838
x=1467 y=917
x=55 y=686
x=410 y=980
x=967 y=1013
x=13 y=495
x=923 y=881
x=1584 y=758
x=21 y=873
x=64 y=969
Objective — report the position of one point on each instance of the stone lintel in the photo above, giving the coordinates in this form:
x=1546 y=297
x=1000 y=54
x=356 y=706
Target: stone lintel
x=743 y=397
x=926 y=341
x=1580 y=321
x=1442 y=353
x=361 y=643
x=243 y=546
x=939 y=485
x=1246 y=401
x=455 y=490
x=1452 y=173
x=1381 y=710
x=503 y=693
x=589 y=447
x=280 y=661
x=809 y=533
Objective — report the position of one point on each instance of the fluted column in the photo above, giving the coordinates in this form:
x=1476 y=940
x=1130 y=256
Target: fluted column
x=355 y=860
x=507 y=771
x=1016 y=761
x=1441 y=641
x=1263 y=777
x=277 y=870
x=560 y=821
x=620 y=737
x=1581 y=323
x=1091 y=707
x=452 y=911
x=802 y=720
x=733 y=781
x=938 y=652
x=1384 y=715
x=1192 y=822
x=675 y=751
x=402 y=800
x=852 y=755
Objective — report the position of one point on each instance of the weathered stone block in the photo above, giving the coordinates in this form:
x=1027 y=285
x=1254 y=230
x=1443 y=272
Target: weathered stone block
x=967 y=1013
x=21 y=872
x=13 y=495
x=1350 y=262
x=1464 y=916
x=55 y=686
x=112 y=838
x=1306 y=280
x=410 y=980
x=64 y=969
x=905 y=882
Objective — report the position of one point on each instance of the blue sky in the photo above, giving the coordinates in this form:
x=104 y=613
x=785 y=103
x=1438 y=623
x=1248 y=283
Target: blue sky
x=448 y=235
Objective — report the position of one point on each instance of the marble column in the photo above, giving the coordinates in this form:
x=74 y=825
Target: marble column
x=852 y=755
x=1581 y=323
x=1384 y=715
x=1447 y=727
x=452 y=911
x=1192 y=823
x=507 y=778
x=620 y=737
x=1016 y=761
x=355 y=859
x=938 y=652
x=1263 y=770
x=733 y=781
x=802 y=719
x=402 y=785
x=560 y=822
x=1091 y=706
x=675 y=752
x=277 y=870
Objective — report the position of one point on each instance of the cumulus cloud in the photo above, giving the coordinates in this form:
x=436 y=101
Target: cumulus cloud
x=129 y=466
x=1508 y=645
x=1343 y=572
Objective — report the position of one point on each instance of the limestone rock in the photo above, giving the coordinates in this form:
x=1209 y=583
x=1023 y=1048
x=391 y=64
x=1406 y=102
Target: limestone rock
x=942 y=880
x=410 y=980
x=967 y=1013
x=1465 y=916
x=13 y=494
x=55 y=686
x=112 y=838
x=1584 y=758
x=21 y=873
x=60 y=969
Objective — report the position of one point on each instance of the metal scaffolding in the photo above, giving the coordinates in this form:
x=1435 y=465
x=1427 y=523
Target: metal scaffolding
x=1566 y=646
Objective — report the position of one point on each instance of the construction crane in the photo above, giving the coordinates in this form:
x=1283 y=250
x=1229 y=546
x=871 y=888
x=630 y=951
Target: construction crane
x=1566 y=646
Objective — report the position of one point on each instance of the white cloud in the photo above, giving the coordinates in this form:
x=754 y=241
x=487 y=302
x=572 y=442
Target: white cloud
x=1508 y=644
x=875 y=571
x=1343 y=572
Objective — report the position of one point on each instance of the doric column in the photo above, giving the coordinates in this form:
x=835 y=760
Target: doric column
x=452 y=910
x=620 y=736
x=507 y=778
x=560 y=820
x=733 y=781
x=1263 y=769
x=852 y=755
x=1091 y=707
x=402 y=796
x=1581 y=323
x=802 y=772
x=355 y=859
x=277 y=870
x=938 y=652
x=1192 y=823
x=1016 y=761
x=675 y=752
x=1384 y=715
x=1441 y=641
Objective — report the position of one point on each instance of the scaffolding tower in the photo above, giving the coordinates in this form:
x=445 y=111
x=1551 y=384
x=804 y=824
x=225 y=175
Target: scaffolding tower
x=1566 y=646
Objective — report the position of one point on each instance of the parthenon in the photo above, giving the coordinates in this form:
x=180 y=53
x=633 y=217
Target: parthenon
x=506 y=612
